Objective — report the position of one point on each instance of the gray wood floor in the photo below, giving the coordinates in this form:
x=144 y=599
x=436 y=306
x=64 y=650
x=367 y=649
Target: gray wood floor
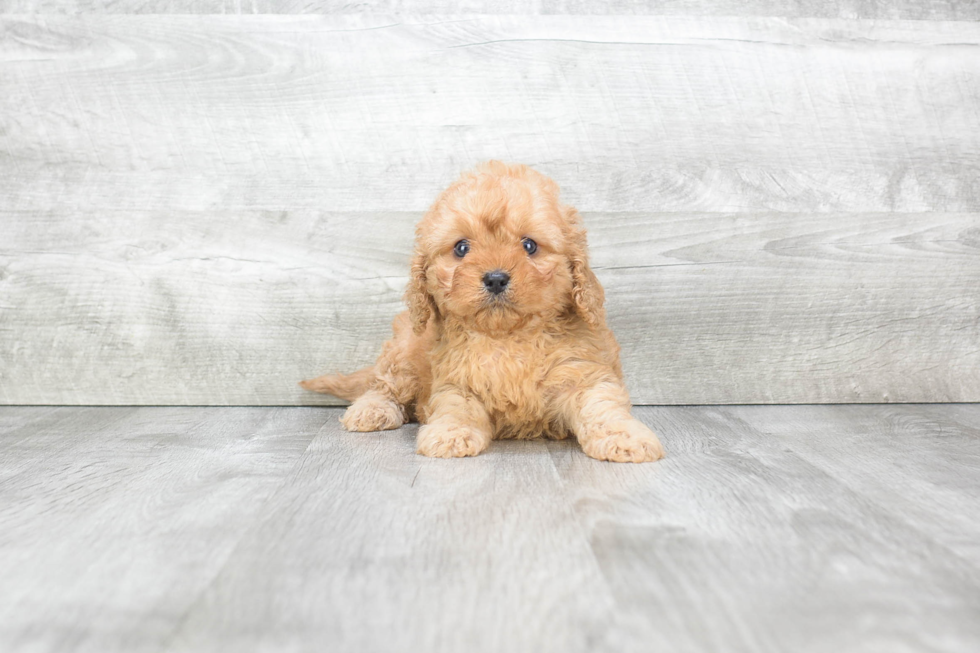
x=767 y=528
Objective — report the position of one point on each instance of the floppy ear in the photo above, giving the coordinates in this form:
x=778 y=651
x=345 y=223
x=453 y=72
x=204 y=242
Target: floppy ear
x=420 y=302
x=587 y=293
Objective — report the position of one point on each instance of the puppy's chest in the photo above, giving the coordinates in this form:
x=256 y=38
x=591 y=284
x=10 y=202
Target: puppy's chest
x=509 y=377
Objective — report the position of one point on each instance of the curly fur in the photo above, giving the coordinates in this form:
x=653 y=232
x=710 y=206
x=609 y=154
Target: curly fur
x=537 y=361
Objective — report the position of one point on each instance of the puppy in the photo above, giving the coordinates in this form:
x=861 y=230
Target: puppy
x=505 y=334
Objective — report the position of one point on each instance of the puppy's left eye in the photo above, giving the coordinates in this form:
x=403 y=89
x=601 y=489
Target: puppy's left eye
x=529 y=246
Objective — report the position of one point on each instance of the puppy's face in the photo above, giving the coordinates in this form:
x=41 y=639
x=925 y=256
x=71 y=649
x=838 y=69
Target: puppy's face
x=497 y=257
x=497 y=248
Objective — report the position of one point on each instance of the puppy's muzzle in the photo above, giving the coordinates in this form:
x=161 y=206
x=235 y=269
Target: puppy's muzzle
x=496 y=281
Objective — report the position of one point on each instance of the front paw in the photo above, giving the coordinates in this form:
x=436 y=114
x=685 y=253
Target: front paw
x=623 y=442
x=450 y=440
x=373 y=412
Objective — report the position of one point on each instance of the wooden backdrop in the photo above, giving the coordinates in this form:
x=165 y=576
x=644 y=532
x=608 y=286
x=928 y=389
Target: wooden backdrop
x=203 y=202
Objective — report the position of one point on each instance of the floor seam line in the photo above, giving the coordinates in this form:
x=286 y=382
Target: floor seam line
x=262 y=518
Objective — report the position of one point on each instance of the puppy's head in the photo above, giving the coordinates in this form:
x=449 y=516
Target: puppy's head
x=496 y=249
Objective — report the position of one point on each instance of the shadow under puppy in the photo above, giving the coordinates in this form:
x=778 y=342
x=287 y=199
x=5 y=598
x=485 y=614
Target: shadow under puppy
x=505 y=335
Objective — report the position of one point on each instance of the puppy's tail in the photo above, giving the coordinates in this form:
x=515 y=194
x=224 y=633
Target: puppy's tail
x=345 y=386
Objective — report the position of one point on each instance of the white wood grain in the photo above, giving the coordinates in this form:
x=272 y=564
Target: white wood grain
x=737 y=543
x=881 y=9
x=766 y=529
x=203 y=209
x=137 y=307
x=647 y=113
x=412 y=554
x=112 y=522
x=918 y=461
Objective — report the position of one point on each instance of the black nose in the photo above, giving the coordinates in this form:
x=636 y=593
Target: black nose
x=496 y=281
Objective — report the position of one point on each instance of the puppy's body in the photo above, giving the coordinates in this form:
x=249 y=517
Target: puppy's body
x=505 y=336
x=521 y=379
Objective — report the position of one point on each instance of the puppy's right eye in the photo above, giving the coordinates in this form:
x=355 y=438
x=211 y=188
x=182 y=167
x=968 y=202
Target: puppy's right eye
x=461 y=248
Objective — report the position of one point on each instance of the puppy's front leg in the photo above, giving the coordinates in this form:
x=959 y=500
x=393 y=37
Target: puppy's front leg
x=600 y=418
x=457 y=426
x=375 y=410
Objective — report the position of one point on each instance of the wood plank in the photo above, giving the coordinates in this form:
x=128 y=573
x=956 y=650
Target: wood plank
x=21 y=422
x=372 y=548
x=880 y=9
x=194 y=529
x=27 y=426
x=663 y=113
x=795 y=309
x=735 y=542
x=139 y=147
x=154 y=307
x=113 y=521
x=916 y=461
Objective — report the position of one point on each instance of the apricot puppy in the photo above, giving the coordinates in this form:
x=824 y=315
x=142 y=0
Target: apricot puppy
x=505 y=334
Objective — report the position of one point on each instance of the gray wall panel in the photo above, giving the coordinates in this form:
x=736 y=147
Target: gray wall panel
x=201 y=209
